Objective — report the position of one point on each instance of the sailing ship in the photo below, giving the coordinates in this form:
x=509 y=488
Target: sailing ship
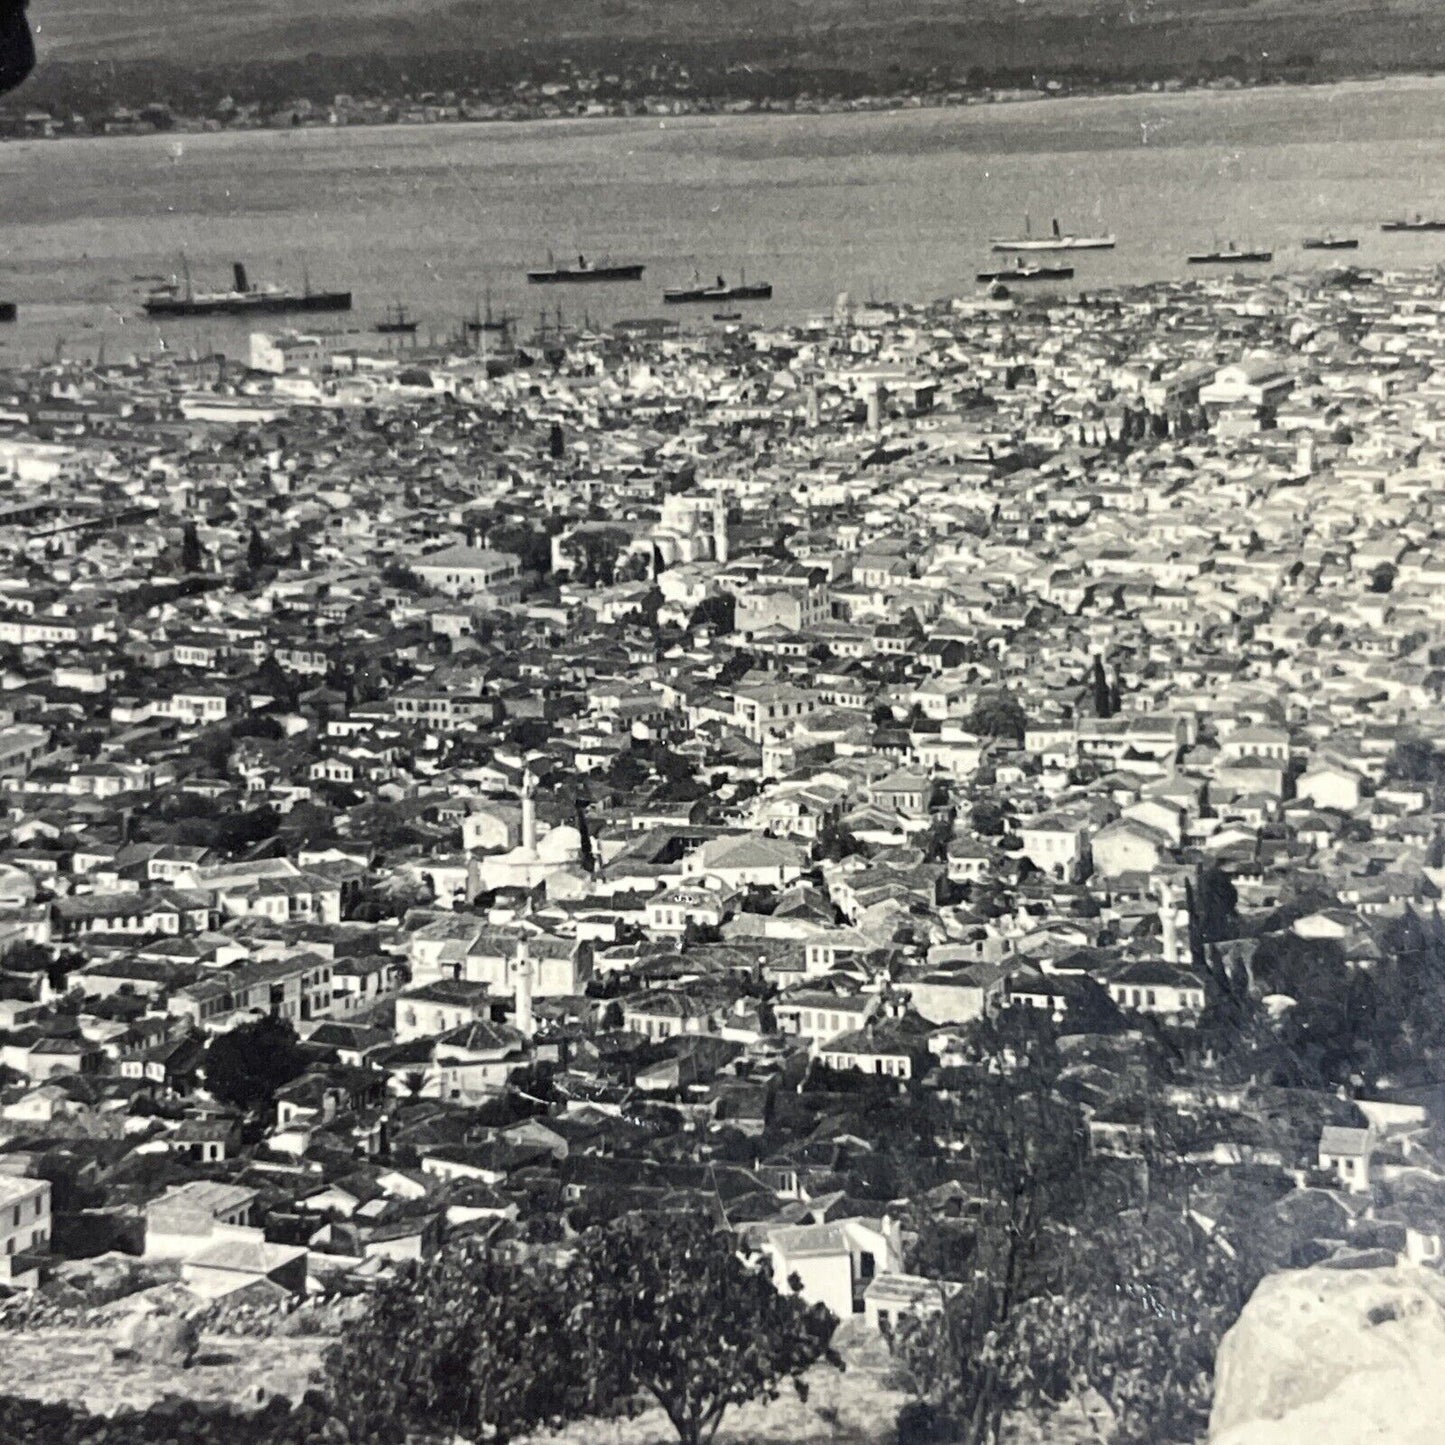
x=1056 y=240
x=478 y=323
x=243 y=299
x=396 y=322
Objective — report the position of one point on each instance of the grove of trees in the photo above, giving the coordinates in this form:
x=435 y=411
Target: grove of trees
x=478 y=1345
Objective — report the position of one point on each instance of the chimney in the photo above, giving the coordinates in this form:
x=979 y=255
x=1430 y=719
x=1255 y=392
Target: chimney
x=522 y=989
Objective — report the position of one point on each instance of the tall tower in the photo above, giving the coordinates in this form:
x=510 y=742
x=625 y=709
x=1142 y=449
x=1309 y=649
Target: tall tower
x=522 y=988
x=720 y=529
x=529 y=812
x=813 y=413
x=1168 y=921
x=1305 y=456
x=875 y=409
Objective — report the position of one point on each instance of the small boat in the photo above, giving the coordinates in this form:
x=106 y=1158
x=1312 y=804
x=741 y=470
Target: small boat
x=1415 y=223
x=727 y=316
x=745 y=290
x=9 y=311
x=584 y=270
x=1056 y=241
x=1228 y=256
x=396 y=322
x=1028 y=271
x=1330 y=242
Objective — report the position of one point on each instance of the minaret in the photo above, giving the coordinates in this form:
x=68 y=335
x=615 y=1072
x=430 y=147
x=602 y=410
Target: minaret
x=1305 y=456
x=720 y=529
x=1168 y=921
x=812 y=405
x=522 y=989
x=875 y=409
x=529 y=812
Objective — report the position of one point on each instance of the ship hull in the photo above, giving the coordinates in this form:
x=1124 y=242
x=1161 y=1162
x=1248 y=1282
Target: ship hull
x=1327 y=245
x=712 y=295
x=1053 y=243
x=249 y=304
x=1228 y=258
x=1413 y=226
x=8 y=311
x=1033 y=273
x=563 y=277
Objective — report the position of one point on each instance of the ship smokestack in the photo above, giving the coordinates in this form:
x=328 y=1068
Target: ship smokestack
x=240 y=273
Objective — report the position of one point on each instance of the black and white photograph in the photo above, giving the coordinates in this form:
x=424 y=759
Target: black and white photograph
x=722 y=724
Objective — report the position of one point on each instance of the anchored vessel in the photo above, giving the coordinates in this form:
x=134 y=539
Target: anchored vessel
x=243 y=300
x=1028 y=271
x=396 y=322
x=1417 y=222
x=478 y=323
x=745 y=290
x=1330 y=242
x=585 y=270
x=1228 y=256
x=1057 y=240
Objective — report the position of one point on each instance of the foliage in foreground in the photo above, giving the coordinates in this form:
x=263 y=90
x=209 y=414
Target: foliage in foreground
x=480 y=1346
x=31 y=1422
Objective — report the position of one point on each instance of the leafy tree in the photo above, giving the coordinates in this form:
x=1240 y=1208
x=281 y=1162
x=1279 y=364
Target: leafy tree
x=989 y=818
x=1382 y=578
x=593 y=553
x=835 y=842
x=483 y=1347
x=246 y=1065
x=693 y=1323
x=467 y=1344
x=999 y=716
x=718 y=613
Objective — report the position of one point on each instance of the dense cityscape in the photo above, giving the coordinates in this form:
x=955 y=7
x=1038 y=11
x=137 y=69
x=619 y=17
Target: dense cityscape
x=947 y=802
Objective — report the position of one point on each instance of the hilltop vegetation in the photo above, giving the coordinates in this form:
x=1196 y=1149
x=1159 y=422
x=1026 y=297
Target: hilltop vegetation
x=131 y=50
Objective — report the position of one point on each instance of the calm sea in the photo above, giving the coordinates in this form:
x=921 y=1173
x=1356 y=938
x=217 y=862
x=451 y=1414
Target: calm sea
x=897 y=206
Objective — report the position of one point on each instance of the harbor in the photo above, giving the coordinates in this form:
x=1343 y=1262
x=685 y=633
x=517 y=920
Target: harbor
x=808 y=203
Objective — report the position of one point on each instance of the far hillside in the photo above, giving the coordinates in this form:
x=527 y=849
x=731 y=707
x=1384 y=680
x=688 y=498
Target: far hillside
x=313 y=47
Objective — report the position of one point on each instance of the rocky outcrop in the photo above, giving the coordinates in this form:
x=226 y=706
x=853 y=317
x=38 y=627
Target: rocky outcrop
x=1335 y=1357
x=153 y=1339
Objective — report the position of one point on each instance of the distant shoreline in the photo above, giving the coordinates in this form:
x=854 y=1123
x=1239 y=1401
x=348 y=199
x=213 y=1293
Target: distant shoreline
x=703 y=109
